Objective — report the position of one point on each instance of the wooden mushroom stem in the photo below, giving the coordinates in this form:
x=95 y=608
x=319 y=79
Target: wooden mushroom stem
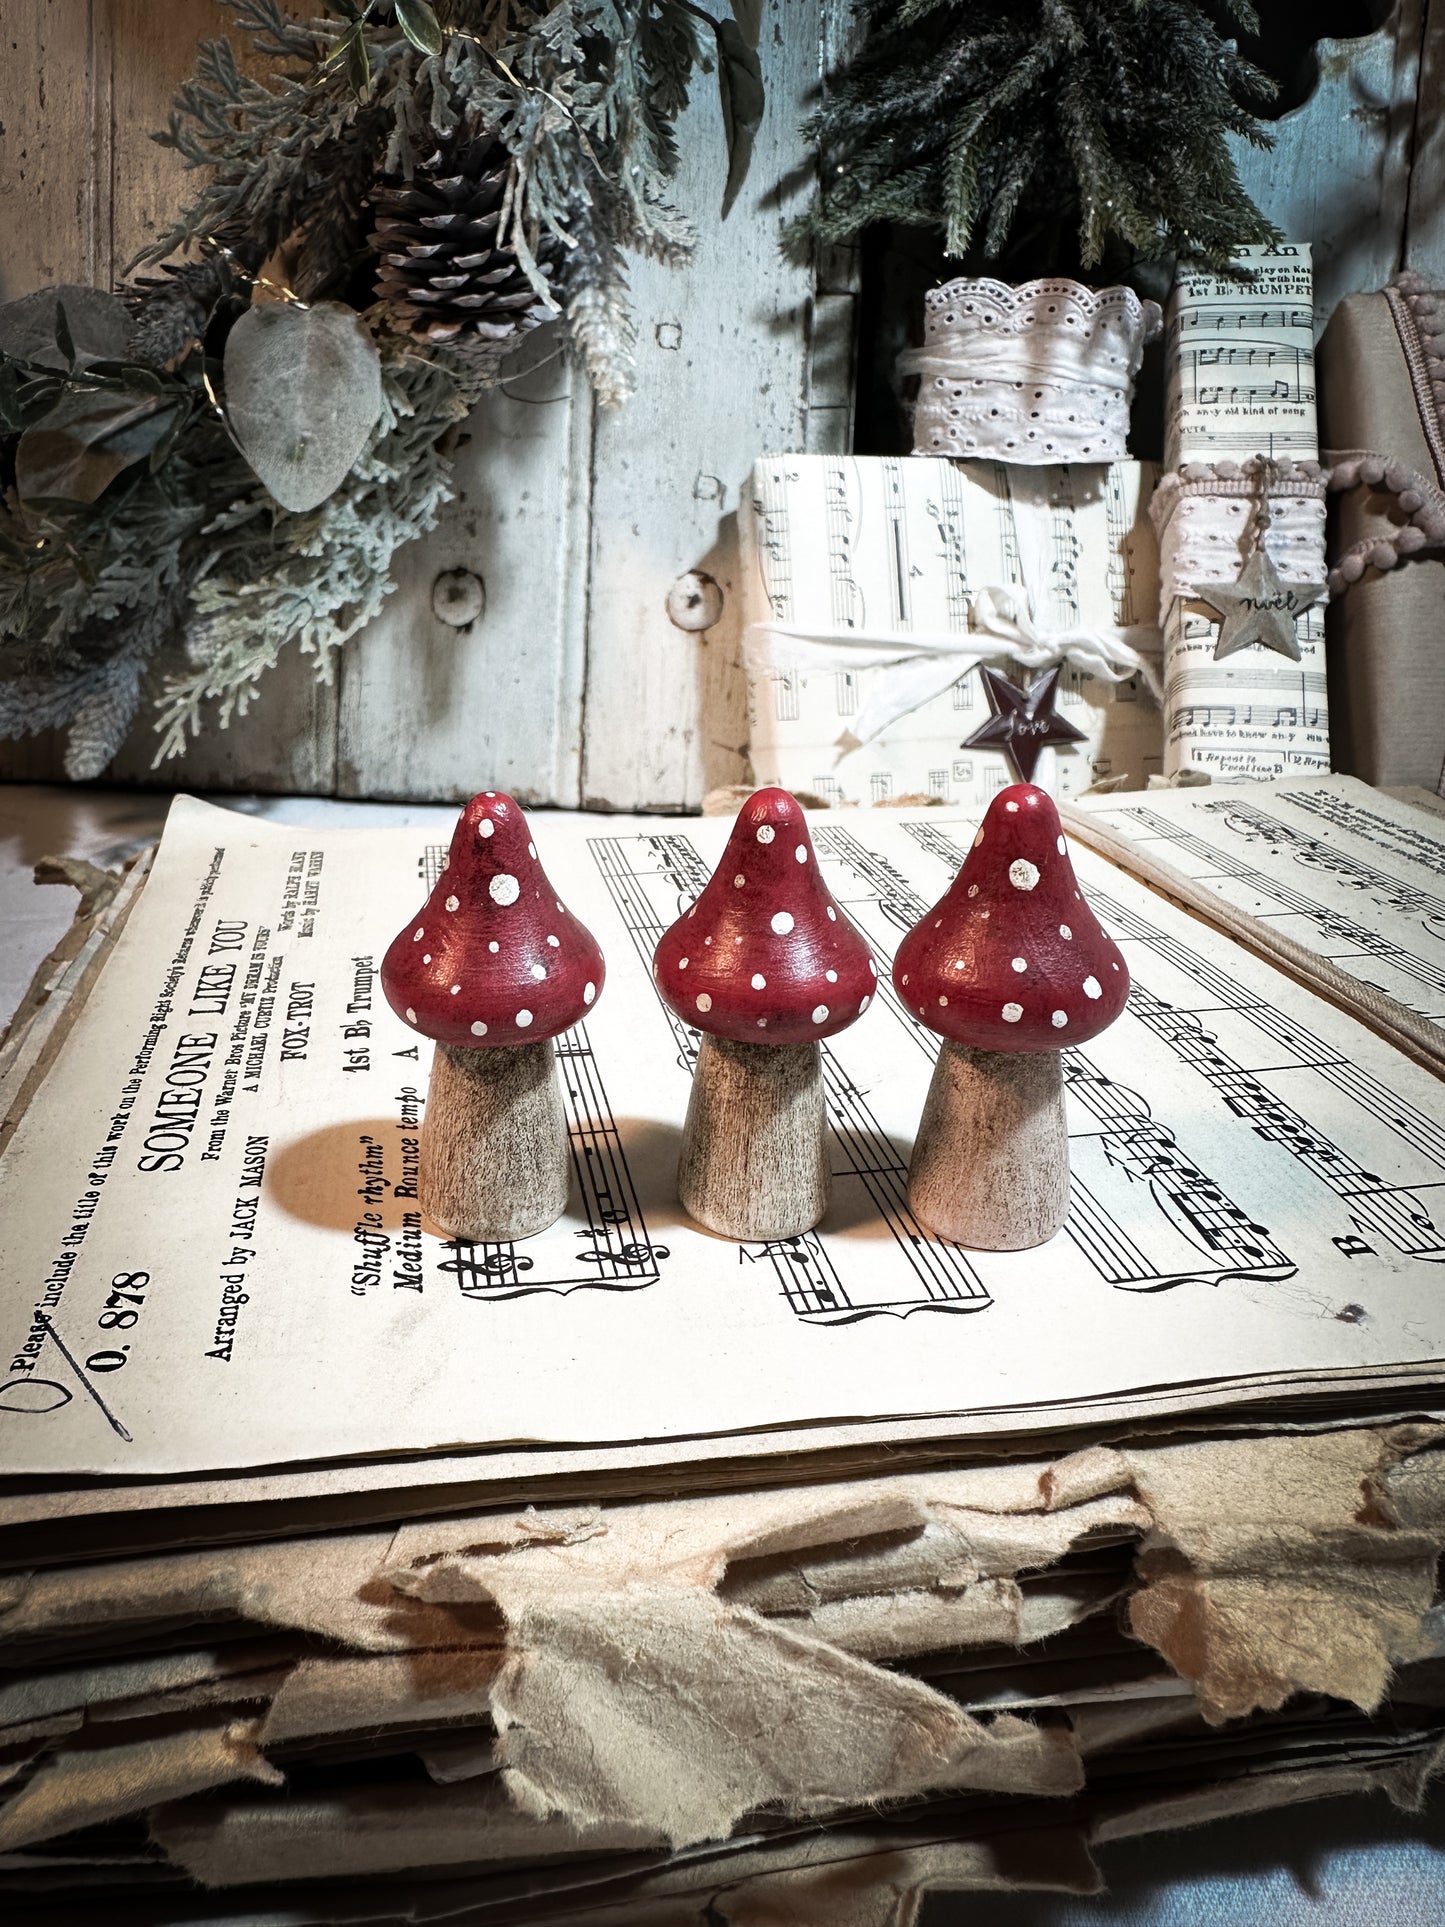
x=990 y=1165
x=494 y=1159
x=754 y=1158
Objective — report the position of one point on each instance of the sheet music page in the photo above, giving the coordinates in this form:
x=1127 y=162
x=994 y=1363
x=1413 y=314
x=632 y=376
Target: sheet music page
x=1240 y=360
x=1346 y=871
x=213 y=1256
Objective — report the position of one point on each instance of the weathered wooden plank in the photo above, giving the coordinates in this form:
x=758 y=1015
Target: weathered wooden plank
x=54 y=151
x=722 y=377
x=1338 y=174
x=432 y=711
x=1425 y=216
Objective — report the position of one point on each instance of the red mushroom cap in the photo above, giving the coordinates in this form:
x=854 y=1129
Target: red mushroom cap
x=1011 y=958
x=765 y=956
x=492 y=959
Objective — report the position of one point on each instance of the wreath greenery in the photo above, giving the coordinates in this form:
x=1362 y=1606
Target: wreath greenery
x=406 y=189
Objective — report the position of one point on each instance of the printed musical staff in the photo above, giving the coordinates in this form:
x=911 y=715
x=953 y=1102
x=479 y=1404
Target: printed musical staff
x=651 y=878
x=1394 y=1213
x=1344 y=935
x=1195 y=1217
x=1240 y=361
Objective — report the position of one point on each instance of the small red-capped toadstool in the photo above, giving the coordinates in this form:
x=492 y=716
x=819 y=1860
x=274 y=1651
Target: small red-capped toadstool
x=493 y=968
x=766 y=965
x=1009 y=966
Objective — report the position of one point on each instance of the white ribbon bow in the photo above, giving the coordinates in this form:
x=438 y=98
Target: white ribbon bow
x=919 y=664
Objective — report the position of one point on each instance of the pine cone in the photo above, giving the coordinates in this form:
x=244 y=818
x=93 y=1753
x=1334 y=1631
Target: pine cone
x=442 y=273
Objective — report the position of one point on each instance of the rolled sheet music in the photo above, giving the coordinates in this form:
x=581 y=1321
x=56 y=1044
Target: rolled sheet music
x=1241 y=391
x=1240 y=361
x=864 y=595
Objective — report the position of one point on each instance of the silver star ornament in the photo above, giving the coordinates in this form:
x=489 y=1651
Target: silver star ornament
x=1259 y=606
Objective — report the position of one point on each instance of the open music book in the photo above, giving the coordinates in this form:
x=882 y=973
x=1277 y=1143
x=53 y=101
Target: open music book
x=213 y=1257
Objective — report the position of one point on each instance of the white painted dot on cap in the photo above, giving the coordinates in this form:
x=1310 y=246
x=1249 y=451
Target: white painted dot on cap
x=1022 y=874
x=766 y=833
x=782 y=922
x=556 y=942
x=523 y=1019
x=589 y=991
x=1059 y=1019
x=707 y=939
x=419 y=935
x=1020 y=963
x=762 y=1023
x=905 y=977
x=539 y=971
x=1092 y=987
x=682 y=963
x=693 y=911
x=411 y=1016
x=489 y=792
x=739 y=880
x=831 y=975
x=973 y=889
x=943 y=1000
x=801 y=853
x=872 y=968
x=452 y=903
x=486 y=827
x=1113 y=966
x=494 y=946
x=978 y=839
x=532 y=851
x=504 y=888
x=479 y=1029
x=1066 y=933
x=426 y=956
x=456 y=990
x=1011 y=1013
x=820 y=1013
x=760 y=982
x=832 y=914
x=704 y=1002
x=1012 y=808
x=737 y=939
x=1063 y=847
x=864 y=1005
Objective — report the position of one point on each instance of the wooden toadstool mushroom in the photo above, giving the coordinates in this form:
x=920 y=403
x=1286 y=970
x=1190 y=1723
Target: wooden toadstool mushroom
x=765 y=965
x=493 y=968
x=1009 y=967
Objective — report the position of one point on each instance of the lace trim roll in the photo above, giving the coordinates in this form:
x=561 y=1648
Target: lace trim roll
x=1040 y=373
x=1204 y=514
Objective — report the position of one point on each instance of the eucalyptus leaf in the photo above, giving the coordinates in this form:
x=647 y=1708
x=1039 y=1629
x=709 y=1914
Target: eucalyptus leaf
x=740 y=85
x=98 y=325
x=74 y=453
x=420 y=25
x=303 y=393
x=749 y=16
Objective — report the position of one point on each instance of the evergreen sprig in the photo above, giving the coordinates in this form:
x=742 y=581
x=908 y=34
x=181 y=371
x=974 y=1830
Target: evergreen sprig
x=1001 y=120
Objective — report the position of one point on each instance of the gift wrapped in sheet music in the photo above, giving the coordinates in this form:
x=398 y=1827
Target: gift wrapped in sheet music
x=874 y=586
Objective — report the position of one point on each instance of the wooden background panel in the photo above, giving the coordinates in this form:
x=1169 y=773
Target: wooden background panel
x=1338 y=175
x=722 y=378
x=429 y=710
x=1425 y=215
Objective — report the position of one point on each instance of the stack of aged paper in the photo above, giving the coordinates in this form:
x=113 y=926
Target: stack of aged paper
x=356 y=1575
